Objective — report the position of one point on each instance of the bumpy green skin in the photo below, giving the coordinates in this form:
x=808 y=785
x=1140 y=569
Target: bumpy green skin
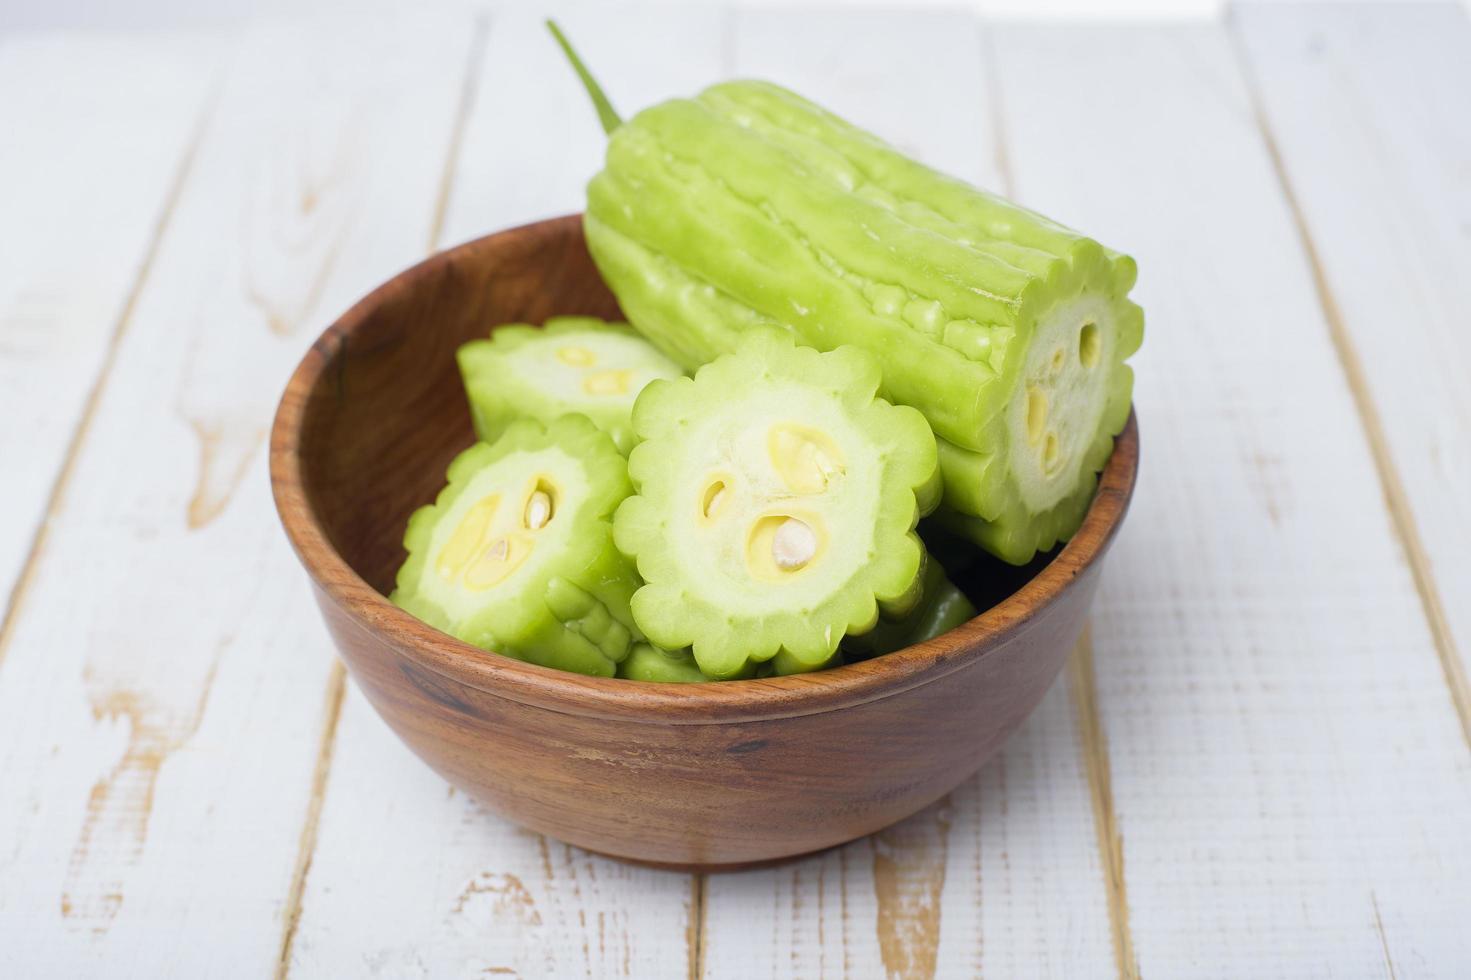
x=942 y=608
x=647 y=662
x=699 y=594
x=749 y=205
x=1017 y=542
x=567 y=605
x=518 y=373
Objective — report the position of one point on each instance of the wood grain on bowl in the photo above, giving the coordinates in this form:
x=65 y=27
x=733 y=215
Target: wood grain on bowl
x=704 y=775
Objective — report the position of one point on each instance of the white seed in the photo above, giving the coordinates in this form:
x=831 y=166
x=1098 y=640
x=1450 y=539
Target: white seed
x=793 y=544
x=538 y=510
x=498 y=551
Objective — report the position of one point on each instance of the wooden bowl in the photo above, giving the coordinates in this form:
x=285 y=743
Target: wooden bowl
x=698 y=776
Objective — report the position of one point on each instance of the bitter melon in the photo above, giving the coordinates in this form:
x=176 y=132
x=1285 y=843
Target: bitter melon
x=516 y=555
x=775 y=506
x=748 y=205
x=571 y=364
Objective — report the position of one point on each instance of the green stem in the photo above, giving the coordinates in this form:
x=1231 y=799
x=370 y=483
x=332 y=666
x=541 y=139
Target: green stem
x=607 y=115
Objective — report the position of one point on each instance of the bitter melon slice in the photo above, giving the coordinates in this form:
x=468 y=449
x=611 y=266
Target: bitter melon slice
x=516 y=555
x=571 y=364
x=776 y=503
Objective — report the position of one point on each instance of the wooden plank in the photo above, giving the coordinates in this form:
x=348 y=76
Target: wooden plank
x=1367 y=107
x=77 y=235
x=165 y=681
x=1287 y=768
x=471 y=893
x=1003 y=877
x=528 y=95
x=462 y=892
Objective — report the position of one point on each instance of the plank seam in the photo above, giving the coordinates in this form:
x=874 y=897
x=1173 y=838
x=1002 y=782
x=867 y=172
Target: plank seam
x=61 y=484
x=1080 y=664
x=474 y=64
x=696 y=939
x=337 y=681
x=1383 y=940
x=695 y=932
x=1396 y=500
x=998 y=121
x=307 y=847
x=1083 y=682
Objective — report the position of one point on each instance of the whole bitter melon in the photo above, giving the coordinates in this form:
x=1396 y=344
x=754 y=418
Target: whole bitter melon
x=749 y=205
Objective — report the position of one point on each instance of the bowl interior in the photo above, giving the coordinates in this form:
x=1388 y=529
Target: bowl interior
x=384 y=421
x=389 y=414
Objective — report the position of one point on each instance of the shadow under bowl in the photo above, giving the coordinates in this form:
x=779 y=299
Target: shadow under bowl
x=699 y=776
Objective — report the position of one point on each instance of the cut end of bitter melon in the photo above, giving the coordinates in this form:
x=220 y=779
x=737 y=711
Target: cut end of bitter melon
x=516 y=554
x=776 y=502
x=1059 y=423
x=1070 y=396
x=572 y=364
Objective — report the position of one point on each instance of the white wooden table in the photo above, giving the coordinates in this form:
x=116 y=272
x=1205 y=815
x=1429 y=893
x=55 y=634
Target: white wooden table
x=1258 y=763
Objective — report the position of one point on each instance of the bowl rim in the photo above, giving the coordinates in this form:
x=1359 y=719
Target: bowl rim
x=713 y=702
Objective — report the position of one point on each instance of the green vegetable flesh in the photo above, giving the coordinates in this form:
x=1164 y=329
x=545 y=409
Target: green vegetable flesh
x=516 y=555
x=749 y=206
x=942 y=608
x=572 y=364
x=776 y=503
x=649 y=663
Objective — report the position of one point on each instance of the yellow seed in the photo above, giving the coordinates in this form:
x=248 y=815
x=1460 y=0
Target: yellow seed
x=615 y=382
x=805 y=458
x=538 y=510
x=1050 y=453
x=1090 y=345
x=1036 y=413
x=577 y=356
x=466 y=541
x=1058 y=357
x=715 y=497
x=497 y=562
